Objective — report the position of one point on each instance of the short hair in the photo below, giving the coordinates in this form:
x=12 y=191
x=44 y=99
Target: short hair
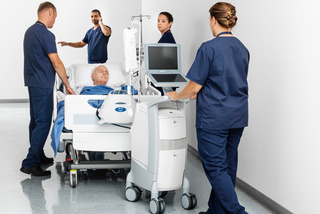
x=96 y=11
x=46 y=5
x=168 y=15
x=94 y=69
x=224 y=13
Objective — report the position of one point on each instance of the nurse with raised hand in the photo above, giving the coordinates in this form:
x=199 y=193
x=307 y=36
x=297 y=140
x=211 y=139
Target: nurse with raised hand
x=218 y=80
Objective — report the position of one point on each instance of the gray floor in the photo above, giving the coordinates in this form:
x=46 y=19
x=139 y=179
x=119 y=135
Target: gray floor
x=102 y=192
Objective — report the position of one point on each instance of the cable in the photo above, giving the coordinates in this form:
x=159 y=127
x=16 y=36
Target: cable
x=126 y=127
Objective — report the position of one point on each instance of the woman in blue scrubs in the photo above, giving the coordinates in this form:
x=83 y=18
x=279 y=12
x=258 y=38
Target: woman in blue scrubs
x=165 y=21
x=218 y=79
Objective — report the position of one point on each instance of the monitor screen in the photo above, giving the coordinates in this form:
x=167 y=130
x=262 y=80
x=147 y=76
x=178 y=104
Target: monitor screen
x=163 y=64
x=163 y=58
x=169 y=78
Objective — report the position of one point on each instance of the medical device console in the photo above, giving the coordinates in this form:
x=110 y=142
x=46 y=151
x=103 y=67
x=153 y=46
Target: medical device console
x=163 y=64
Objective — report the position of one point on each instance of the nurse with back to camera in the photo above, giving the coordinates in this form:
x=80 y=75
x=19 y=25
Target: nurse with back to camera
x=218 y=79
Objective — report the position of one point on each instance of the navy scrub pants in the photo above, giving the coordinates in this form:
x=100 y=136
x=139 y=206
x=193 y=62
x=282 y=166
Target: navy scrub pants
x=41 y=108
x=218 y=150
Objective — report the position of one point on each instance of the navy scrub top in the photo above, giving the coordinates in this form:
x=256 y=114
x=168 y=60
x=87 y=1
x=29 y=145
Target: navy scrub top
x=221 y=67
x=167 y=37
x=38 y=69
x=97 y=45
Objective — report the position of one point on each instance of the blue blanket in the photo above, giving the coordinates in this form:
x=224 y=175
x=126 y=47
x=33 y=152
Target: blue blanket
x=88 y=90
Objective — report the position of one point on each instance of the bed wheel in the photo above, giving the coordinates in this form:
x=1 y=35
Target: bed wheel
x=188 y=201
x=73 y=178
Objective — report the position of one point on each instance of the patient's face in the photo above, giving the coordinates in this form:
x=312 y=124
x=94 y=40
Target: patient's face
x=100 y=76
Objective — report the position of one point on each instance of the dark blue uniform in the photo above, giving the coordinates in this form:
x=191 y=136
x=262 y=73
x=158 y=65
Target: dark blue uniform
x=221 y=67
x=97 y=45
x=39 y=76
x=167 y=37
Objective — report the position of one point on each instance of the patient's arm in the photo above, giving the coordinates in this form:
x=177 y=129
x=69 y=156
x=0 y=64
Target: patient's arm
x=73 y=44
x=61 y=71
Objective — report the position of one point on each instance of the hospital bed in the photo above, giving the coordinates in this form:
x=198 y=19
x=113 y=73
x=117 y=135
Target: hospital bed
x=84 y=135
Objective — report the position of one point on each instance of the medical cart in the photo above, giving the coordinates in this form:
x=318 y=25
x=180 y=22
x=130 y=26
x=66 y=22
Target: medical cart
x=159 y=153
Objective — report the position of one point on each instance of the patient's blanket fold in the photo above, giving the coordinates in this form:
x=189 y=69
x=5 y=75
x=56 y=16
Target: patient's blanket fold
x=57 y=128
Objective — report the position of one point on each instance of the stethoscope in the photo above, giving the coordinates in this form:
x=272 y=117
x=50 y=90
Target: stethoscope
x=225 y=32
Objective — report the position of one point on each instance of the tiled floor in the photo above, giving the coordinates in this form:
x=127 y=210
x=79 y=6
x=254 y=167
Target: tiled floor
x=102 y=192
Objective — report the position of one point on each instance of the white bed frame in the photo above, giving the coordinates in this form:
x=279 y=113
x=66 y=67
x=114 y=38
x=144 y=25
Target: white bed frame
x=88 y=135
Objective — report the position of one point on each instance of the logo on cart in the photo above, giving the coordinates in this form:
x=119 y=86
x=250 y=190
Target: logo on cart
x=120 y=109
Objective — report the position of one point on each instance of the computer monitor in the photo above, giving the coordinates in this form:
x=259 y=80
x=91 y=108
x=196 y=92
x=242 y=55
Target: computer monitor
x=163 y=64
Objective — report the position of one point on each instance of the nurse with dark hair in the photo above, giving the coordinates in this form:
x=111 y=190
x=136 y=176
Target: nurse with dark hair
x=165 y=21
x=218 y=79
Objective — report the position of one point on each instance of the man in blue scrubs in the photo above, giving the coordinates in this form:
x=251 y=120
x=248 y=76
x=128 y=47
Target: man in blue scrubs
x=97 y=39
x=41 y=62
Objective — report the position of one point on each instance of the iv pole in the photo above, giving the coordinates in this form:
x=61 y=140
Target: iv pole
x=140 y=16
x=140 y=44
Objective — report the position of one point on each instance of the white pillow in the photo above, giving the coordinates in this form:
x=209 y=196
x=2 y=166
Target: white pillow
x=80 y=75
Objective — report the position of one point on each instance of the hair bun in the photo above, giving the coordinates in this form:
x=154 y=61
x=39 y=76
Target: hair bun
x=225 y=14
x=231 y=22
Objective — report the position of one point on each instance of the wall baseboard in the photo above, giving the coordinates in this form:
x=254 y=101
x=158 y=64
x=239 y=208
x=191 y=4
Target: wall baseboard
x=14 y=100
x=262 y=199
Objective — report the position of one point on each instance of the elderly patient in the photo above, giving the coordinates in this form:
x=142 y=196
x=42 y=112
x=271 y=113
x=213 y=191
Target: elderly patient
x=100 y=77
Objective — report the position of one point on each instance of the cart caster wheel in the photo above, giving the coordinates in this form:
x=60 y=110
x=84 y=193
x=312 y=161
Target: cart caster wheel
x=188 y=201
x=162 y=205
x=194 y=200
x=73 y=178
x=157 y=206
x=133 y=193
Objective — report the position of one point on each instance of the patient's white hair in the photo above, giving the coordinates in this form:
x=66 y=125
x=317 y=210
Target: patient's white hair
x=94 y=69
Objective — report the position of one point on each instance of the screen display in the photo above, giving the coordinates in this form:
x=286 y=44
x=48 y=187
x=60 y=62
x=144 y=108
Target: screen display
x=163 y=58
x=169 y=78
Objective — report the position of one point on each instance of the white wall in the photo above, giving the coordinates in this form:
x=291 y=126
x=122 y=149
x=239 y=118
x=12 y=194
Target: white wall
x=279 y=155
x=72 y=23
x=279 y=152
